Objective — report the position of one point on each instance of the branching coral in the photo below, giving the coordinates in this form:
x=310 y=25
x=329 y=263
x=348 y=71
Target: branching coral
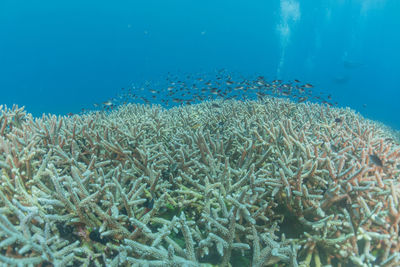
x=189 y=186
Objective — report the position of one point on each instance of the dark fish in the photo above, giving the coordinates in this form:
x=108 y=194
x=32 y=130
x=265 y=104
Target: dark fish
x=149 y=204
x=376 y=160
x=338 y=120
x=95 y=235
x=327 y=103
x=308 y=85
x=64 y=230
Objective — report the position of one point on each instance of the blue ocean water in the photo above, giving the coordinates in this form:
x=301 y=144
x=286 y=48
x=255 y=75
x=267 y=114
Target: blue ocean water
x=61 y=56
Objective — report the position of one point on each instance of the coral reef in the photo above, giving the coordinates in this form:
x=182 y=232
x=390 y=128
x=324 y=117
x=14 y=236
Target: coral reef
x=227 y=183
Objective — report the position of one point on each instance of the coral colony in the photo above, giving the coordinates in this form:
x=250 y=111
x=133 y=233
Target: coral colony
x=267 y=182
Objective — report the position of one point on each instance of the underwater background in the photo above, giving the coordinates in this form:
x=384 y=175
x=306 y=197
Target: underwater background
x=63 y=56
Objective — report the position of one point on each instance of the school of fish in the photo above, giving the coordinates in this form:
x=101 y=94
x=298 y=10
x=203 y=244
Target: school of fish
x=194 y=88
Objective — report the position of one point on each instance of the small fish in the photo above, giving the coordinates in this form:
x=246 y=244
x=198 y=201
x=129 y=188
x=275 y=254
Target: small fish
x=95 y=235
x=376 y=160
x=149 y=204
x=108 y=103
x=308 y=85
x=338 y=120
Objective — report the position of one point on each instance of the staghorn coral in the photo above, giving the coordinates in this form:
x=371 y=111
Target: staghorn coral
x=235 y=183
